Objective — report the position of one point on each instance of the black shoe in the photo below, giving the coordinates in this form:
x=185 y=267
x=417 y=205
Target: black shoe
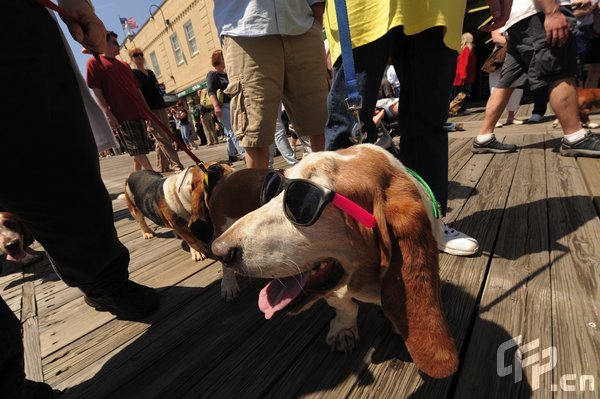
x=37 y=390
x=492 y=146
x=126 y=300
x=587 y=146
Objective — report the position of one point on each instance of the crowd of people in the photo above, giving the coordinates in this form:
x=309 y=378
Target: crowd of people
x=273 y=67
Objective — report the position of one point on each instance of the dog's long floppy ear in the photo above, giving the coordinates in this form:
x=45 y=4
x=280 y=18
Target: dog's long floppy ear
x=410 y=285
x=203 y=183
x=27 y=235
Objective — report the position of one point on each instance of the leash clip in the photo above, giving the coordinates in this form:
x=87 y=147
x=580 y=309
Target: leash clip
x=354 y=106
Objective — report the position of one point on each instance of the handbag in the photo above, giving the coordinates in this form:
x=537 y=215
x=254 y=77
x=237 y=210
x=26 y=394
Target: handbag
x=495 y=60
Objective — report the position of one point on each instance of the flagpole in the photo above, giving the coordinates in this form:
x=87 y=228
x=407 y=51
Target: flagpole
x=124 y=26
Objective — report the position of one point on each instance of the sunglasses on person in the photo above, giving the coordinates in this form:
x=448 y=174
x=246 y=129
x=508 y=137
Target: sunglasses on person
x=135 y=55
x=304 y=201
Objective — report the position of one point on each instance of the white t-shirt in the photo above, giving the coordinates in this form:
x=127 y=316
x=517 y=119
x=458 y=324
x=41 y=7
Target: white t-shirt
x=392 y=77
x=522 y=9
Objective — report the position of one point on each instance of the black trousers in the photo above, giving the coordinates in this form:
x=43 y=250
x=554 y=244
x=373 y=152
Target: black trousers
x=50 y=168
x=425 y=68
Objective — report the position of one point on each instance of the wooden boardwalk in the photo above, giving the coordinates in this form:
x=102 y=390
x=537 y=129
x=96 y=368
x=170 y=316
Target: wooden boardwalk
x=536 y=280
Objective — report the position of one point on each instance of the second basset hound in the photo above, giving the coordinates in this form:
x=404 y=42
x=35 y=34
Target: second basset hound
x=15 y=238
x=179 y=202
x=315 y=251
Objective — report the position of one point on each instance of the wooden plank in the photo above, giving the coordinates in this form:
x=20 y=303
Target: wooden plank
x=575 y=257
x=82 y=359
x=65 y=324
x=29 y=323
x=463 y=277
x=590 y=169
x=332 y=374
x=192 y=340
x=516 y=300
x=32 y=352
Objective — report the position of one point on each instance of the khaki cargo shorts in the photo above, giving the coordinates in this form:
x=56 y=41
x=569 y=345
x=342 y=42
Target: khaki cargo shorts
x=265 y=71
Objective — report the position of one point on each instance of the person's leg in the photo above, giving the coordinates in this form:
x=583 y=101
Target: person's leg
x=185 y=134
x=143 y=161
x=306 y=85
x=12 y=374
x=233 y=144
x=563 y=99
x=85 y=251
x=164 y=143
x=282 y=142
x=494 y=108
x=540 y=103
x=370 y=61
x=513 y=105
x=209 y=128
x=426 y=68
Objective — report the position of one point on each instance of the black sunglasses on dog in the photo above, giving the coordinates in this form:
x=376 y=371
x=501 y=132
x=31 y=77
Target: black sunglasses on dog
x=135 y=55
x=304 y=201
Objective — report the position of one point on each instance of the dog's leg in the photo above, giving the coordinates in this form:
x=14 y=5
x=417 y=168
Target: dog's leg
x=147 y=232
x=230 y=289
x=197 y=255
x=343 y=333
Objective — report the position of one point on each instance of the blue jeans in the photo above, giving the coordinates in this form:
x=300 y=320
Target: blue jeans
x=185 y=134
x=233 y=144
x=425 y=68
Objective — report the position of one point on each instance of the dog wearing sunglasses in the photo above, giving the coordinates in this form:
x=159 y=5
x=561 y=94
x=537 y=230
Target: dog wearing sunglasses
x=179 y=202
x=314 y=248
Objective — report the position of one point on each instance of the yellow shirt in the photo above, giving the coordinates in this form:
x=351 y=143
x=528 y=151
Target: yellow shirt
x=371 y=19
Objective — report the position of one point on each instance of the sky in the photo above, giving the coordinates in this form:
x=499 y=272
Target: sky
x=109 y=12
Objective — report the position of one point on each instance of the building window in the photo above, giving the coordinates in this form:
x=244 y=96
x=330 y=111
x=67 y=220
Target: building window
x=154 y=61
x=191 y=38
x=177 y=49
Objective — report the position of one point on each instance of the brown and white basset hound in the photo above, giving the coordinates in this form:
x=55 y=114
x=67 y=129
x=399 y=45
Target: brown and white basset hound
x=394 y=264
x=15 y=237
x=236 y=195
x=179 y=202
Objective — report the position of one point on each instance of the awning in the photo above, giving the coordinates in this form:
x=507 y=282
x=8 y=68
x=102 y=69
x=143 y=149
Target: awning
x=191 y=89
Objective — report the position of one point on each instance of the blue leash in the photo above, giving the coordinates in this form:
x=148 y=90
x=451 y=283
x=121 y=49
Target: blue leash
x=353 y=99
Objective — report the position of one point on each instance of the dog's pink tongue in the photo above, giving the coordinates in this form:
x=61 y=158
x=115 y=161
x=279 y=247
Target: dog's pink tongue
x=16 y=257
x=279 y=293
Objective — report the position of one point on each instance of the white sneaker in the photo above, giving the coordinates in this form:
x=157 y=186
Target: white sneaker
x=535 y=118
x=457 y=243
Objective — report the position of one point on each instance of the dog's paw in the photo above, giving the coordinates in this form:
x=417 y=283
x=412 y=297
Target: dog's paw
x=147 y=235
x=197 y=255
x=230 y=290
x=342 y=339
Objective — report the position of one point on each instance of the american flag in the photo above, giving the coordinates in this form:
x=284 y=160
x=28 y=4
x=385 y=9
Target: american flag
x=128 y=23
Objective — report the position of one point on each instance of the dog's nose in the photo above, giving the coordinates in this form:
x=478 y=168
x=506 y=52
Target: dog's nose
x=223 y=250
x=13 y=245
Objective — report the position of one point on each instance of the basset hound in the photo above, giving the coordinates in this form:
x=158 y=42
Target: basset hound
x=376 y=244
x=587 y=100
x=15 y=237
x=179 y=202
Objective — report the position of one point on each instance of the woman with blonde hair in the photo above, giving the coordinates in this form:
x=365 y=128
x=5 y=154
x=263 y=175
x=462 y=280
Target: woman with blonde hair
x=166 y=157
x=466 y=68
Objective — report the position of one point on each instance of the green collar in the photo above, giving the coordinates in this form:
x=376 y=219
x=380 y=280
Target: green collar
x=434 y=203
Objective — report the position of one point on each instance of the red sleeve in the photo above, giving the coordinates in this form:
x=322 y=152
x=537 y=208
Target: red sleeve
x=93 y=76
x=462 y=64
x=472 y=68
